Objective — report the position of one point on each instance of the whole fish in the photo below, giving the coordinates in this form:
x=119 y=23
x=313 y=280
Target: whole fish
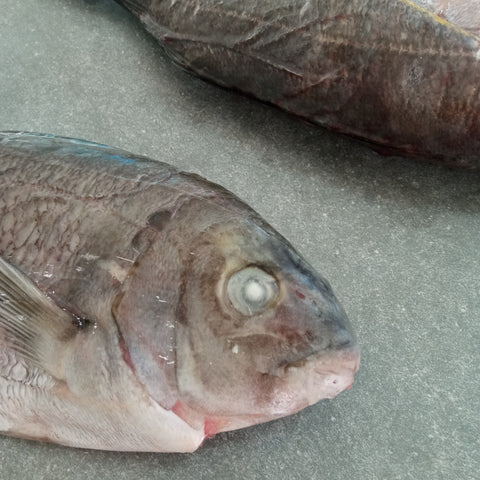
x=402 y=75
x=142 y=308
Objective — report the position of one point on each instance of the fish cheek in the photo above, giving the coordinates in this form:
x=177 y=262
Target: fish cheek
x=216 y=373
x=219 y=376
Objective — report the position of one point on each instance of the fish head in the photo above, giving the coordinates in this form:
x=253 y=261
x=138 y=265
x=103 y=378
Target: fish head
x=259 y=333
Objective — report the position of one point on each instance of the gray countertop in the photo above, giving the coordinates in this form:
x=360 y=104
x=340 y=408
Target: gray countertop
x=398 y=240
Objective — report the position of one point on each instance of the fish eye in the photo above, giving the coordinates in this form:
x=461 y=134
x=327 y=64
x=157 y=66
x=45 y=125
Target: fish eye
x=251 y=290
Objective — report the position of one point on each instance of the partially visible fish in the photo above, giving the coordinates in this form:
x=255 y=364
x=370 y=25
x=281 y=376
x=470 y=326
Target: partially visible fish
x=146 y=309
x=402 y=75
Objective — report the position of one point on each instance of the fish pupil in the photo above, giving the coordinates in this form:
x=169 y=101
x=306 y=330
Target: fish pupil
x=254 y=292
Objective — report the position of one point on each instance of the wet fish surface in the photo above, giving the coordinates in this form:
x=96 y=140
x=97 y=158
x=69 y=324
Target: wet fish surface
x=146 y=309
x=401 y=75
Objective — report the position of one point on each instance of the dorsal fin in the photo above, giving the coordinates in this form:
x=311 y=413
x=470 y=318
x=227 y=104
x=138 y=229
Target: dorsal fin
x=33 y=325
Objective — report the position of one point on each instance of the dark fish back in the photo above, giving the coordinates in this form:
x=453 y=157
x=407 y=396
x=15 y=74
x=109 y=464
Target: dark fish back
x=388 y=72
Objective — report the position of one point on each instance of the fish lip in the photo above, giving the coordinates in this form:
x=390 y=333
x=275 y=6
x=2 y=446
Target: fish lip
x=332 y=373
x=325 y=374
x=348 y=357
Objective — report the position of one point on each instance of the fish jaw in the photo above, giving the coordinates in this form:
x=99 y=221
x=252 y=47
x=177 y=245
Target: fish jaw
x=319 y=377
x=291 y=389
x=297 y=387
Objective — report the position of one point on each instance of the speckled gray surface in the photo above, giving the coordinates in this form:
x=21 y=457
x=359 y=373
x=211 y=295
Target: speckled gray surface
x=398 y=240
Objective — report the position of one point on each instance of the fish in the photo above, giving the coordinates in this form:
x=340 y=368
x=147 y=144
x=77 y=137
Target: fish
x=400 y=75
x=146 y=309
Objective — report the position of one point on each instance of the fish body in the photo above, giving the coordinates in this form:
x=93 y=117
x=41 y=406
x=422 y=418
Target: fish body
x=142 y=308
x=401 y=75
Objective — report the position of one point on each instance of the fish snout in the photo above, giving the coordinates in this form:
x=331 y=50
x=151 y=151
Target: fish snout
x=325 y=325
x=325 y=375
x=333 y=375
x=343 y=339
x=325 y=356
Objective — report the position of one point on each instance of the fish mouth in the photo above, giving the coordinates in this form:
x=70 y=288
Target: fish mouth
x=349 y=359
x=299 y=384
x=334 y=374
x=318 y=376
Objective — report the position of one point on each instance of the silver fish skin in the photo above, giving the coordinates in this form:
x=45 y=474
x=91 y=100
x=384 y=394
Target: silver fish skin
x=146 y=309
x=401 y=75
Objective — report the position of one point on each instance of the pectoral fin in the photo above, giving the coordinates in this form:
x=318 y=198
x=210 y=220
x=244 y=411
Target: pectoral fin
x=31 y=323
